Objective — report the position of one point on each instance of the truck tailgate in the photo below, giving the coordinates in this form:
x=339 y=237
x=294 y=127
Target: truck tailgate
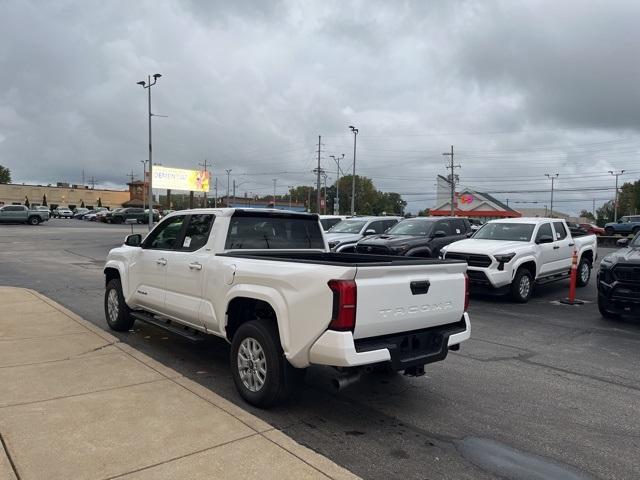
x=400 y=298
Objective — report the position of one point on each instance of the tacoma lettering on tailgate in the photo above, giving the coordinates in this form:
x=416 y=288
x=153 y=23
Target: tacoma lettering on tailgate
x=413 y=309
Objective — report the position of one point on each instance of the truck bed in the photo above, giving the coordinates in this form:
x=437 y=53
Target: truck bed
x=333 y=258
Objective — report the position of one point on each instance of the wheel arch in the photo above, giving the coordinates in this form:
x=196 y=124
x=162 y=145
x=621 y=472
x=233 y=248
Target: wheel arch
x=529 y=264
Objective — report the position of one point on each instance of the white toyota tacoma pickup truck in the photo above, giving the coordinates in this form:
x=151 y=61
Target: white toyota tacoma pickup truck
x=266 y=281
x=511 y=255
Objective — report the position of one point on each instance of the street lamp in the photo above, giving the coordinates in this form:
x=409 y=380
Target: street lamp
x=336 y=203
x=228 y=170
x=354 y=130
x=144 y=178
x=553 y=178
x=147 y=85
x=615 y=206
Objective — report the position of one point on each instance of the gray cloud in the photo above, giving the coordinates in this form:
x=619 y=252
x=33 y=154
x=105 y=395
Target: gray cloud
x=519 y=89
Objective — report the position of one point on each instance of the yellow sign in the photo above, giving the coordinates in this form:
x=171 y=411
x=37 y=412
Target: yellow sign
x=180 y=179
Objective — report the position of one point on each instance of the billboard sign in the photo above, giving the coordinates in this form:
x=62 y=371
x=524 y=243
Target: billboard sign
x=180 y=179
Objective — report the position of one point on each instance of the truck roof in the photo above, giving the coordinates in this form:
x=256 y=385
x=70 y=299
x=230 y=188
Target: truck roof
x=535 y=220
x=228 y=212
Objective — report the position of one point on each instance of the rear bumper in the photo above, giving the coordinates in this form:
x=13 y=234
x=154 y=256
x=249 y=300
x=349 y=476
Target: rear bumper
x=403 y=350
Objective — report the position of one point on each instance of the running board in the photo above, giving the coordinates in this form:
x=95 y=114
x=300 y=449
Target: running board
x=552 y=278
x=177 y=329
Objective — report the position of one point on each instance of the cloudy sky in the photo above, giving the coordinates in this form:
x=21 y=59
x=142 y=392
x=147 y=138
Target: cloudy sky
x=519 y=88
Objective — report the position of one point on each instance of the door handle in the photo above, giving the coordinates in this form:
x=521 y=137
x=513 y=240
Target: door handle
x=571 y=244
x=556 y=247
x=195 y=266
x=161 y=261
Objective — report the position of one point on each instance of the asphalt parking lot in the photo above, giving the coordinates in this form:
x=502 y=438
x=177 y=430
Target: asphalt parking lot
x=542 y=390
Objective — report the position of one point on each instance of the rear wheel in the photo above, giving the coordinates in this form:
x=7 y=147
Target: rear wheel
x=603 y=307
x=522 y=286
x=636 y=230
x=260 y=371
x=609 y=232
x=116 y=311
x=583 y=273
x=34 y=220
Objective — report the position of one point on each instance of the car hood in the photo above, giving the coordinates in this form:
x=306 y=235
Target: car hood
x=343 y=237
x=393 y=240
x=626 y=255
x=485 y=247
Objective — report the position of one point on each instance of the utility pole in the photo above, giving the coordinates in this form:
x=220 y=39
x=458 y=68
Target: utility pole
x=83 y=178
x=324 y=195
x=92 y=181
x=452 y=180
x=318 y=176
x=228 y=170
x=355 y=131
x=215 y=201
x=290 y=187
x=131 y=176
x=205 y=165
x=553 y=177
x=336 y=203
x=275 y=180
x=593 y=209
x=147 y=86
x=309 y=198
x=615 y=206
x=234 y=190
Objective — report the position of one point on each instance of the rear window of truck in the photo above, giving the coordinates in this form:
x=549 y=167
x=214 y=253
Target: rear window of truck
x=274 y=232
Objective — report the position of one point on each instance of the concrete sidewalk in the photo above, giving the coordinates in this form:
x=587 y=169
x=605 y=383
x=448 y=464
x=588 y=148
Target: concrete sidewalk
x=75 y=403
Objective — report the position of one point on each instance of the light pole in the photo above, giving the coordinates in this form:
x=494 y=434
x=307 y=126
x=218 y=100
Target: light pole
x=336 y=204
x=353 y=180
x=275 y=180
x=144 y=178
x=228 y=170
x=553 y=177
x=615 y=206
x=147 y=85
x=290 y=187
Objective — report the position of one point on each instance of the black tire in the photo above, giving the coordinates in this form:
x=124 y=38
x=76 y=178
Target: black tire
x=34 y=220
x=636 y=230
x=519 y=292
x=603 y=308
x=121 y=321
x=277 y=378
x=609 y=232
x=584 y=272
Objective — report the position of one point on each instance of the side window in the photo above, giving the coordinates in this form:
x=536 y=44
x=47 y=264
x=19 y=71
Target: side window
x=165 y=235
x=459 y=227
x=197 y=232
x=378 y=226
x=561 y=232
x=544 y=230
x=444 y=226
x=388 y=224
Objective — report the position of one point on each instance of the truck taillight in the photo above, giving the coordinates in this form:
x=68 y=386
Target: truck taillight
x=345 y=298
x=466 y=292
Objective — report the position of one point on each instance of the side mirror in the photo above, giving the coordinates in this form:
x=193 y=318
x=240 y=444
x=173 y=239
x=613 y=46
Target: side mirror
x=134 y=240
x=623 y=242
x=439 y=234
x=371 y=231
x=544 y=239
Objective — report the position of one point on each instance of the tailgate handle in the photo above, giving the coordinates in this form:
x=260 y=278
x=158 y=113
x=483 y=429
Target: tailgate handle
x=420 y=288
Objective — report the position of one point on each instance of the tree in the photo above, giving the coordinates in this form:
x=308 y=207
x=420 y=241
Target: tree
x=44 y=200
x=587 y=214
x=81 y=203
x=5 y=175
x=99 y=202
x=424 y=213
x=605 y=213
x=26 y=202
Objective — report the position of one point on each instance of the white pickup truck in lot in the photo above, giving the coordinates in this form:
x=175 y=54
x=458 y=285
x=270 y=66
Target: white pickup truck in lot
x=266 y=281
x=511 y=255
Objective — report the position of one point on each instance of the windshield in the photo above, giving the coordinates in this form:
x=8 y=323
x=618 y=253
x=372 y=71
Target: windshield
x=516 y=232
x=348 y=226
x=411 y=227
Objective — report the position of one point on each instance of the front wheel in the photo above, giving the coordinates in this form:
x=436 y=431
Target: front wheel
x=583 y=273
x=258 y=365
x=116 y=311
x=522 y=286
x=603 y=308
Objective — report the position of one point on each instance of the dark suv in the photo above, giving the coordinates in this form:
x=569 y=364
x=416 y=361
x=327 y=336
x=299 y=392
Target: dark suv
x=131 y=213
x=619 y=280
x=417 y=237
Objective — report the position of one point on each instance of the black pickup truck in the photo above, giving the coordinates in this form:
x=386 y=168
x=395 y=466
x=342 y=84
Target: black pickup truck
x=619 y=280
x=417 y=237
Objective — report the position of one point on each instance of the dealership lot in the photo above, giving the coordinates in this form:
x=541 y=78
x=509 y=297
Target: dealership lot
x=539 y=386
